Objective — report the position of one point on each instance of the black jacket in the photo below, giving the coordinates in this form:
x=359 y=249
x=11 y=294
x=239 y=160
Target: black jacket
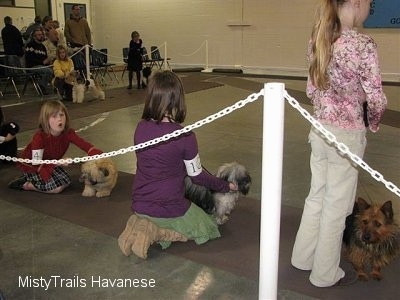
x=12 y=40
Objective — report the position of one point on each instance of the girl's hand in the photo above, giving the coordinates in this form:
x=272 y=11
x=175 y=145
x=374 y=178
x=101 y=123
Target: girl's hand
x=233 y=187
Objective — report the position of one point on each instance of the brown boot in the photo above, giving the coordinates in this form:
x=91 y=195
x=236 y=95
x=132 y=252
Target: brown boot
x=140 y=233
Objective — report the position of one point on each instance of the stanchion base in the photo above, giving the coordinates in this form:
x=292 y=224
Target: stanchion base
x=207 y=70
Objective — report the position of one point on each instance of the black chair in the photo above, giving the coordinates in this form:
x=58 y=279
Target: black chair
x=108 y=67
x=147 y=61
x=125 y=52
x=96 y=65
x=79 y=61
x=158 y=60
x=14 y=73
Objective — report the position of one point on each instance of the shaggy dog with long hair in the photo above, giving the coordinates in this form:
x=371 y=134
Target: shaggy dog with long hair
x=100 y=177
x=86 y=89
x=220 y=204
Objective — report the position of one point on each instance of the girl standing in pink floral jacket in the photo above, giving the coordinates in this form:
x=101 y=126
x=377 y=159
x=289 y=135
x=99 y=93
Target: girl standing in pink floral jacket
x=343 y=75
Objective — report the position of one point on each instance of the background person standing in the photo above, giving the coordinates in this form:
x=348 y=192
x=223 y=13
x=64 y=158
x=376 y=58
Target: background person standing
x=12 y=39
x=77 y=31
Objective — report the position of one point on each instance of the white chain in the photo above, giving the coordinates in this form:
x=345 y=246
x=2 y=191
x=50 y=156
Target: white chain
x=163 y=138
x=241 y=103
x=342 y=147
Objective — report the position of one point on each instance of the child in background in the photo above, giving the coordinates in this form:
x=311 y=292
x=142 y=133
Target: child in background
x=51 y=141
x=8 y=139
x=62 y=68
x=135 y=61
x=158 y=188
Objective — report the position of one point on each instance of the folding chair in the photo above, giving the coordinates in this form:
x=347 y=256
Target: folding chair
x=125 y=52
x=158 y=60
x=96 y=65
x=148 y=62
x=15 y=73
x=79 y=61
x=108 y=67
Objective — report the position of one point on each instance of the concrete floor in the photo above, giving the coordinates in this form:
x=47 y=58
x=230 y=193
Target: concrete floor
x=34 y=243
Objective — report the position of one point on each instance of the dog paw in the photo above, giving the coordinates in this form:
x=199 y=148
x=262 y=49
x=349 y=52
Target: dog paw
x=88 y=192
x=376 y=275
x=222 y=219
x=103 y=194
x=363 y=276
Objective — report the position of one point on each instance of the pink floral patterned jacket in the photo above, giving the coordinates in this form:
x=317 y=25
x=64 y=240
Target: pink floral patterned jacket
x=354 y=77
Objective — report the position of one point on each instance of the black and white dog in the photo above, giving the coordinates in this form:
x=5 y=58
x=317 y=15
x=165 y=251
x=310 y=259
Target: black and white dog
x=220 y=204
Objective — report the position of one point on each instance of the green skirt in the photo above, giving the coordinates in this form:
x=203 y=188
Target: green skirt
x=195 y=224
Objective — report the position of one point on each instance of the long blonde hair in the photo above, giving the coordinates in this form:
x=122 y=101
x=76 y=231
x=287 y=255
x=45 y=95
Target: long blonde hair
x=325 y=32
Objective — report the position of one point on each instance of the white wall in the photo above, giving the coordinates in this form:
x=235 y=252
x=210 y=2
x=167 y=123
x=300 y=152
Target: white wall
x=274 y=42
x=23 y=13
x=257 y=36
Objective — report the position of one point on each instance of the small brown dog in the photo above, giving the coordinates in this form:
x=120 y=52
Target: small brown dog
x=371 y=238
x=100 y=177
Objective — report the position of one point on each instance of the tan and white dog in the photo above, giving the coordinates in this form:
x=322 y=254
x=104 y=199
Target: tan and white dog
x=86 y=89
x=100 y=177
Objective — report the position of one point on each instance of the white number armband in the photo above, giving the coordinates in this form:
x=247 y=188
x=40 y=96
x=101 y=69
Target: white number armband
x=193 y=166
x=37 y=155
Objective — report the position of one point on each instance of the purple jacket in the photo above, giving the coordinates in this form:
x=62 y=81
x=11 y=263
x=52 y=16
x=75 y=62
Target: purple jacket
x=158 y=187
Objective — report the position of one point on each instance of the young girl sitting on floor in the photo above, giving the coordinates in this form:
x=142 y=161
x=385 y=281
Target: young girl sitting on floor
x=62 y=68
x=51 y=141
x=158 y=188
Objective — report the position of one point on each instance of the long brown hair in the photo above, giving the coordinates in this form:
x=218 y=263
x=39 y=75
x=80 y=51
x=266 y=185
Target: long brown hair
x=326 y=31
x=165 y=98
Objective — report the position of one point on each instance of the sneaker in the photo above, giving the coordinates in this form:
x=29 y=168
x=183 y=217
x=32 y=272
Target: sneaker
x=17 y=184
x=349 y=278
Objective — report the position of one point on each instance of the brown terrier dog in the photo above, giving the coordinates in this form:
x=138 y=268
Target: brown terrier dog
x=371 y=237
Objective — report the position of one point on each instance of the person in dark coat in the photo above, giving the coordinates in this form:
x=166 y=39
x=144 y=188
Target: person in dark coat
x=135 y=62
x=12 y=38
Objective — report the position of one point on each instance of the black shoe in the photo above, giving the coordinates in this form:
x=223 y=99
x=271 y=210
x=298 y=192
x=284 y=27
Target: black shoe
x=17 y=184
x=129 y=87
x=143 y=85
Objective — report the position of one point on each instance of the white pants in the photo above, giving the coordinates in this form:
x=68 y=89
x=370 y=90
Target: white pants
x=330 y=200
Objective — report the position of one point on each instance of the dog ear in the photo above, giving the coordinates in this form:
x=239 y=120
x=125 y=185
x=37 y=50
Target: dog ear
x=104 y=171
x=244 y=184
x=387 y=210
x=361 y=205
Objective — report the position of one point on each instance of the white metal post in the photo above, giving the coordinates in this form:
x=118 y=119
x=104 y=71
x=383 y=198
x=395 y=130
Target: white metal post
x=87 y=59
x=272 y=156
x=207 y=68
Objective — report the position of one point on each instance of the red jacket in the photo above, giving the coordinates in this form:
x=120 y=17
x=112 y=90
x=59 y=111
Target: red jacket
x=54 y=147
